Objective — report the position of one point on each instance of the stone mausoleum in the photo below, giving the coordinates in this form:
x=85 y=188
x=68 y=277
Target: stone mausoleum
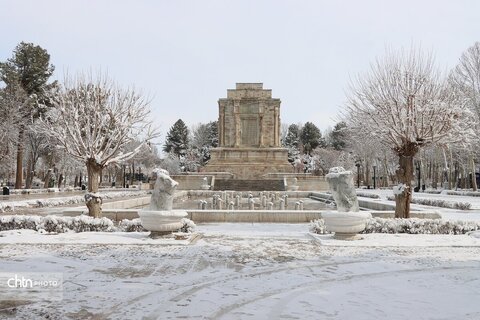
x=249 y=134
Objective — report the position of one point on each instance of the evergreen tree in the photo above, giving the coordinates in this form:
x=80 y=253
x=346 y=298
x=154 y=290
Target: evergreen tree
x=338 y=136
x=30 y=69
x=177 y=139
x=311 y=137
x=292 y=142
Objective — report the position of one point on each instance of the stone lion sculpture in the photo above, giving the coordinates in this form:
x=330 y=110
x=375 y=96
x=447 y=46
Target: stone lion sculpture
x=162 y=195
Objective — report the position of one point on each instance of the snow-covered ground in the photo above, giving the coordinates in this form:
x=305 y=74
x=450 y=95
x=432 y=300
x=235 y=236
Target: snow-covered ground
x=250 y=271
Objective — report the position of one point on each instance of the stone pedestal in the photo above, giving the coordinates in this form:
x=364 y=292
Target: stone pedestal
x=346 y=225
x=249 y=163
x=162 y=222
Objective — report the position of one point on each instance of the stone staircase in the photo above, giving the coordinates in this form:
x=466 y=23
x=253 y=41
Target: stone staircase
x=250 y=185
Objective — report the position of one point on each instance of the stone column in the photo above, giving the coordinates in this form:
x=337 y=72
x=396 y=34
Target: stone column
x=237 y=201
x=238 y=131
x=276 y=127
x=261 y=130
x=251 y=204
x=221 y=125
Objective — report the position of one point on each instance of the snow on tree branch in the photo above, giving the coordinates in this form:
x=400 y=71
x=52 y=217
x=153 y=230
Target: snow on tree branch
x=406 y=100
x=93 y=119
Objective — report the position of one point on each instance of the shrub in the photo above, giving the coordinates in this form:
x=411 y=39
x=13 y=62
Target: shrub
x=411 y=226
x=439 y=203
x=59 y=224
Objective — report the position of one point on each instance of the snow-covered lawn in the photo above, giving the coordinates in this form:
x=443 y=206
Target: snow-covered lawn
x=250 y=271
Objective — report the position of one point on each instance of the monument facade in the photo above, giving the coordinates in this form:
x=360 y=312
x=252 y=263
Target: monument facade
x=249 y=134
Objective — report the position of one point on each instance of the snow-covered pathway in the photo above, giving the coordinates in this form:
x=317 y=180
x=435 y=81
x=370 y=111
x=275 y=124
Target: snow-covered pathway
x=269 y=271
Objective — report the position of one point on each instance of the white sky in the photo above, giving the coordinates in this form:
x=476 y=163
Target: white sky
x=185 y=54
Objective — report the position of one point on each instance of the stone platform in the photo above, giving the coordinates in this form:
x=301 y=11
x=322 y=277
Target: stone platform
x=249 y=163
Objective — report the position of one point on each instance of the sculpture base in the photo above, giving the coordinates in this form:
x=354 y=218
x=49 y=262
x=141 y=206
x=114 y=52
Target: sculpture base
x=162 y=222
x=160 y=234
x=347 y=236
x=346 y=225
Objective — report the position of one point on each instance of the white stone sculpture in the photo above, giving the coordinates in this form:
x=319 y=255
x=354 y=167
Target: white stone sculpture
x=347 y=221
x=159 y=218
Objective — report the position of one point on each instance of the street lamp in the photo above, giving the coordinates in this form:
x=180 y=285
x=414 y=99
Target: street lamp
x=374 y=177
x=124 y=178
x=357 y=164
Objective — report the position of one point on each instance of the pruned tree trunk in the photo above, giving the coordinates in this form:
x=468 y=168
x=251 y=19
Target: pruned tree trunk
x=403 y=196
x=92 y=199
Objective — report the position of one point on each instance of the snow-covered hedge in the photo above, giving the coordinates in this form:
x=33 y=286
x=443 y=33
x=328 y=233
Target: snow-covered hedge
x=135 y=225
x=462 y=193
x=59 y=224
x=412 y=226
x=62 y=201
x=368 y=195
x=439 y=203
x=56 y=224
x=433 y=191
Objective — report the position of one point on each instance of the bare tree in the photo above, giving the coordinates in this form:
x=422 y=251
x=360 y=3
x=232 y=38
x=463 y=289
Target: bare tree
x=93 y=121
x=406 y=104
x=466 y=79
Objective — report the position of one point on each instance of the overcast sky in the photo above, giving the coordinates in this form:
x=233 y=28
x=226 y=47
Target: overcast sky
x=185 y=54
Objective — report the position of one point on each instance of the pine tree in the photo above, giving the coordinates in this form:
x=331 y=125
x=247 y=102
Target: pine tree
x=311 y=137
x=30 y=69
x=177 y=139
x=338 y=136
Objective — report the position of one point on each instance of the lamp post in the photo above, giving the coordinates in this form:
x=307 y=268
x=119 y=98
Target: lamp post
x=374 y=177
x=357 y=164
x=124 y=178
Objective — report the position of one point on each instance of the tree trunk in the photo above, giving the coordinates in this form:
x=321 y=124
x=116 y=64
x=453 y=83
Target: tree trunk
x=92 y=199
x=60 y=180
x=474 y=173
x=19 y=172
x=47 y=178
x=119 y=178
x=29 y=178
x=403 y=196
x=132 y=174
